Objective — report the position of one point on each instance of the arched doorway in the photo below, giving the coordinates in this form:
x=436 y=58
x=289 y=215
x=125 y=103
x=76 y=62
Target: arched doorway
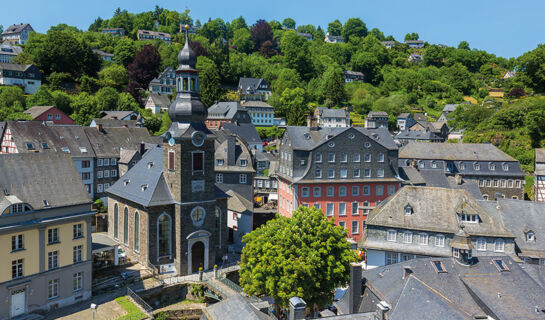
x=197 y=256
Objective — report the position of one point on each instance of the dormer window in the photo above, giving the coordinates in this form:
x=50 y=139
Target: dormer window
x=469 y=218
x=530 y=236
x=243 y=162
x=491 y=166
x=83 y=149
x=45 y=145
x=477 y=166
x=144 y=187
x=408 y=210
x=434 y=164
x=505 y=167
x=65 y=150
x=126 y=182
x=19 y=208
x=219 y=162
x=30 y=146
x=462 y=166
x=150 y=165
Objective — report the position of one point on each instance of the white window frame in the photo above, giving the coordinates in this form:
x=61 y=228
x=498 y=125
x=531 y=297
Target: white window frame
x=355 y=224
x=439 y=240
x=391 y=235
x=407 y=237
x=342 y=209
x=356 y=157
x=499 y=245
x=330 y=209
x=480 y=244
x=242 y=178
x=343 y=173
x=423 y=239
x=355 y=208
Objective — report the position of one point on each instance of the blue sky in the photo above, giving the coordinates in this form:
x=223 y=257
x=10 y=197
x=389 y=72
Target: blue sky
x=506 y=28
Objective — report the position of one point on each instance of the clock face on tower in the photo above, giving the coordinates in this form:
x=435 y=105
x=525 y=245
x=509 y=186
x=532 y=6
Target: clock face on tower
x=197 y=138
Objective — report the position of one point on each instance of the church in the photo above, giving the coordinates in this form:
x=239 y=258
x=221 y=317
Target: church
x=166 y=212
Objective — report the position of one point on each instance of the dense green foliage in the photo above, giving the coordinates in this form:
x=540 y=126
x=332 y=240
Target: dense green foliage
x=305 y=256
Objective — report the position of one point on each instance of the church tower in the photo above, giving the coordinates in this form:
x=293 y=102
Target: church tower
x=188 y=169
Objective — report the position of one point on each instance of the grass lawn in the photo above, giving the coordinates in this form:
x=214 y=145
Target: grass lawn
x=133 y=312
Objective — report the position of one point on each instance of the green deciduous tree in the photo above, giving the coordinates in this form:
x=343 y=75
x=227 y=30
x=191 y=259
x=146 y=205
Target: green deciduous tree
x=367 y=63
x=335 y=92
x=126 y=102
x=335 y=28
x=238 y=23
x=305 y=256
x=294 y=105
x=288 y=23
x=532 y=68
x=106 y=99
x=296 y=54
x=242 y=40
x=85 y=109
x=463 y=45
x=354 y=27
x=124 y=51
x=412 y=36
x=114 y=75
x=209 y=80
x=42 y=97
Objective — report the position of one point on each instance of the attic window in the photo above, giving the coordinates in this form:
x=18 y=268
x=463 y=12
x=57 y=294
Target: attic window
x=351 y=136
x=6 y=192
x=65 y=149
x=46 y=204
x=469 y=218
x=502 y=267
x=477 y=166
x=368 y=144
x=307 y=136
x=150 y=165
x=462 y=166
x=439 y=267
x=505 y=167
x=530 y=236
x=491 y=166
x=45 y=145
x=408 y=210
x=126 y=182
x=30 y=146
x=144 y=187
x=83 y=149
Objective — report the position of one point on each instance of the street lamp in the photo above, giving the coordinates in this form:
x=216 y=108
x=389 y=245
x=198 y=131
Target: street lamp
x=94 y=308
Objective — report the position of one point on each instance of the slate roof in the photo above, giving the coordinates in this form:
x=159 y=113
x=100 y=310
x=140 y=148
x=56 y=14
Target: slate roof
x=435 y=210
x=103 y=53
x=237 y=305
x=15 y=28
x=403 y=115
x=36 y=111
x=377 y=114
x=317 y=137
x=453 y=151
x=117 y=123
x=450 y=107
x=353 y=73
x=250 y=85
x=256 y=103
x=306 y=35
x=238 y=203
x=520 y=217
x=461 y=292
x=420 y=117
x=115 y=114
x=224 y=110
x=14 y=66
x=126 y=155
x=109 y=141
x=35 y=177
x=418 y=135
x=154 y=33
x=147 y=172
x=242 y=150
x=246 y=131
x=332 y=113
x=6 y=48
x=160 y=100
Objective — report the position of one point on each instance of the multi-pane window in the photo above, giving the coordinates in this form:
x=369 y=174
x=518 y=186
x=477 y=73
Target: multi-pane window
x=52 y=235
x=517 y=183
x=505 y=167
x=477 y=166
x=106 y=173
x=355 y=227
x=331 y=173
x=344 y=157
x=99 y=174
x=391 y=257
x=510 y=183
x=52 y=260
x=85 y=175
x=219 y=177
x=439 y=240
x=78 y=253
x=407 y=237
x=342 y=209
x=491 y=166
x=367 y=172
x=77 y=281
x=114 y=161
x=469 y=218
x=53 y=288
x=380 y=172
x=481 y=244
x=331 y=157
x=366 y=190
x=423 y=239
x=17 y=268
x=317 y=205
x=330 y=209
x=243 y=162
x=391 y=235
x=304 y=192
x=100 y=188
x=86 y=163
x=391 y=190
x=355 y=209
x=17 y=242
x=318 y=157
x=367 y=157
x=356 y=157
x=355 y=190
x=502 y=183
x=499 y=245
x=380 y=190
x=317 y=192
x=330 y=191
x=106 y=162
x=243 y=178
x=219 y=162
x=343 y=173
x=99 y=163
x=342 y=191
x=77 y=230
x=317 y=173
x=380 y=157
x=356 y=173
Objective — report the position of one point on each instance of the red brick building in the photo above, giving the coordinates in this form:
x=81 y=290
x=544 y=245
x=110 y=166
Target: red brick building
x=345 y=172
x=49 y=113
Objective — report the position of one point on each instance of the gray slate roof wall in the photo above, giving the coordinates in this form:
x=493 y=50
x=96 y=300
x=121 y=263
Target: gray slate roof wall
x=454 y=151
x=250 y=85
x=246 y=131
x=116 y=114
x=224 y=109
x=108 y=142
x=117 y=123
x=235 y=305
x=42 y=176
x=15 y=28
x=36 y=111
x=160 y=100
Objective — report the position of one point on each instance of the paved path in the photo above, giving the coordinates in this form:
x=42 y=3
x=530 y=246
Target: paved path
x=108 y=309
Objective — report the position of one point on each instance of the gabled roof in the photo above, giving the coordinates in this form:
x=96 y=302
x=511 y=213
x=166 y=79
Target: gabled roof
x=37 y=111
x=436 y=210
x=117 y=123
x=161 y=100
x=238 y=203
x=126 y=155
x=332 y=112
x=454 y=151
x=115 y=114
x=250 y=85
x=377 y=114
x=256 y=103
x=15 y=28
x=450 y=107
x=237 y=305
x=353 y=73
x=224 y=109
x=6 y=48
x=462 y=292
x=144 y=183
x=540 y=154
x=246 y=131
x=14 y=66
x=108 y=142
x=36 y=177
x=154 y=33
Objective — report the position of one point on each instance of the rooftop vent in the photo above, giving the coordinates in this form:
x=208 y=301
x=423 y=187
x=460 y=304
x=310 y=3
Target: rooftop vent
x=144 y=187
x=150 y=165
x=6 y=192
x=46 y=204
x=126 y=182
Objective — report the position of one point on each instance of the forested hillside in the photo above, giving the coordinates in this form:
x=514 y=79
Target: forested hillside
x=303 y=74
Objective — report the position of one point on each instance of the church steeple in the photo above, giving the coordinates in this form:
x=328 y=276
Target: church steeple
x=188 y=107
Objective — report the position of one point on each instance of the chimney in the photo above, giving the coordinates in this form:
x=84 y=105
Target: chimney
x=231 y=155
x=406 y=272
x=382 y=309
x=142 y=148
x=99 y=127
x=297 y=309
x=458 y=178
x=354 y=290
